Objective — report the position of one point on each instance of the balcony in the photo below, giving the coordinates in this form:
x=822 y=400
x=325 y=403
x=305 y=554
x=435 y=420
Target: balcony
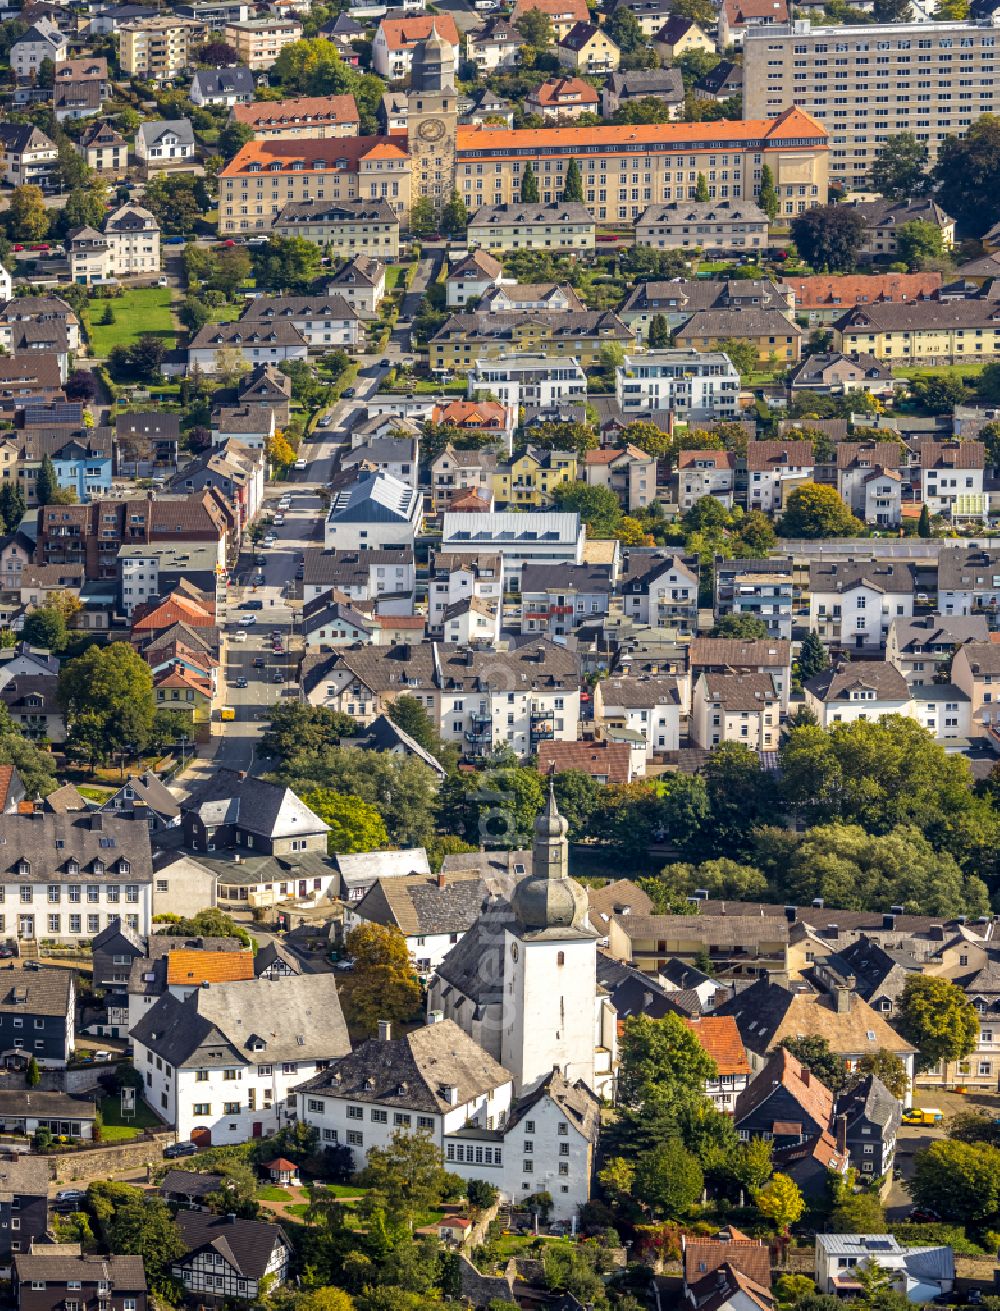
x=481 y=718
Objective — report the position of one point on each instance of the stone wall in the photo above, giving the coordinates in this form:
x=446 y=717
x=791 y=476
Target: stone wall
x=102 y=1161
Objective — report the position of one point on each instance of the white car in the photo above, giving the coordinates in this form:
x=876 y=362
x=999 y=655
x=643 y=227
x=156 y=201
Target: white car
x=279 y=520
x=163 y=282
x=270 y=539
x=240 y=636
x=300 y=464
x=247 y=621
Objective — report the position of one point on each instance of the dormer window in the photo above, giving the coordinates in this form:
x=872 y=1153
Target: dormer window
x=73 y=867
x=97 y=867
x=23 y=866
x=124 y=867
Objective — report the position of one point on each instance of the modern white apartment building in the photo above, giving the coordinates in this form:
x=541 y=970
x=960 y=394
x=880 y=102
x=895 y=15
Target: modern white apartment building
x=867 y=84
x=695 y=386
x=533 y=537
x=534 y=381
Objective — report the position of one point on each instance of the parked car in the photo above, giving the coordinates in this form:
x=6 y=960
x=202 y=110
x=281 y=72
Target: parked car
x=326 y=421
x=242 y=682
x=348 y=393
x=258 y=662
x=277 y=676
x=300 y=464
x=252 y=605
x=247 y=621
x=179 y=1149
x=70 y=1196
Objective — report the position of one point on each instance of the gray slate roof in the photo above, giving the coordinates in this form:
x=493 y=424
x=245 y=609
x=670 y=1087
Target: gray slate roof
x=421 y=906
x=246 y=1244
x=253 y=804
x=45 y=991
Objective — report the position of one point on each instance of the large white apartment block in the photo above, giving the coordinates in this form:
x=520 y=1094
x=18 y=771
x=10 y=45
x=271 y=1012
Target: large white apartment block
x=534 y=381
x=968 y=581
x=68 y=876
x=457 y=578
x=534 y=537
x=866 y=85
x=694 y=385
x=852 y=605
x=221 y=1066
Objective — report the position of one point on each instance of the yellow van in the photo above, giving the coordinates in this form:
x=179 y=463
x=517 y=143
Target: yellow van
x=227 y=713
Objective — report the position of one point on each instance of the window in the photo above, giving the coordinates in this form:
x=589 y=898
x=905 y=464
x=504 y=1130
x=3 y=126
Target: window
x=230 y=1108
x=403 y=1120
x=355 y=1113
x=355 y=1139
x=379 y=1116
x=201 y=1108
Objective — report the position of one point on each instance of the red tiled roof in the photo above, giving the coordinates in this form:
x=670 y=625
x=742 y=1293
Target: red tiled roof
x=860 y=289
x=404 y=33
x=602 y=759
x=565 y=90
x=720 y=1037
x=703 y=1256
x=738 y=11
x=719 y=459
x=318 y=109
x=564 y=10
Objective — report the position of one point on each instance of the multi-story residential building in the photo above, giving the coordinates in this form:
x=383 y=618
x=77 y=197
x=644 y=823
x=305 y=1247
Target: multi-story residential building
x=29 y=156
x=360 y=280
x=834 y=374
x=386 y=578
x=951 y=478
x=883 y=219
x=719 y=1037
x=128 y=247
x=871 y=1120
x=165 y=144
x=432 y=911
x=515 y=225
x=768 y=657
x=489 y=162
x=326 y=322
x=921 y=332
x=677 y=300
x=562 y=99
x=852 y=604
x=539 y=537
x=562 y=14
x=38 y=1015
x=705 y=473
x=65 y=876
x=529 y=479
x=776 y=338
x=94 y=1282
x=739 y=946
x=869 y=482
x=458 y=471
x=347 y=227
x=555 y=599
x=535 y=382
x=216 y=1066
x=455 y=578
x=975 y=669
x=104 y=148
x=723 y=227
x=660 y=589
x=497 y=45
x=157 y=49
x=923 y=648
x=228 y=1257
x=24 y=1209
x=695 y=386
x=259 y=41
x=860 y=690
x=397 y=38
x=467 y=338
x=470 y=278
x=968 y=582
x=588 y=49
x=315 y=117
x=258 y=342
x=43 y=40
x=627 y=471
x=266 y=176
x=785 y=1103
x=774 y=470
x=762 y=588
x=735 y=707
x=222 y=86
x=663 y=84
x=738 y=17
x=790 y=65
x=823 y=298
x=644 y=712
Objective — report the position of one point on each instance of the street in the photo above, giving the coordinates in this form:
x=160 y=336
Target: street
x=269 y=672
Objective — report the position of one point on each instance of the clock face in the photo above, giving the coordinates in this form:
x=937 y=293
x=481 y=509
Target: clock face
x=432 y=129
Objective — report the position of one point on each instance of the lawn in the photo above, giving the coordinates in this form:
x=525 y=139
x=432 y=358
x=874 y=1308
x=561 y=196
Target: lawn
x=395 y=276
x=342 y=1190
x=117 y=1130
x=298 y=1209
x=270 y=1193
x=138 y=312
x=970 y=369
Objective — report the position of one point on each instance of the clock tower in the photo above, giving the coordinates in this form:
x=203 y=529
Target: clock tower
x=432 y=119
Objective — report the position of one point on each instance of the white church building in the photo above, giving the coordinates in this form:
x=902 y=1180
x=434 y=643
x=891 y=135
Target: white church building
x=506 y=1076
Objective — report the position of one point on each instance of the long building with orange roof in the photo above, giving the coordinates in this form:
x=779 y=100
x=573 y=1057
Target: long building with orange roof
x=625 y=168
x=313 y=117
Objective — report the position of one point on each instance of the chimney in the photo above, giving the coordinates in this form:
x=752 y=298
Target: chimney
x=888 y=922
x=791 y=914
x=441 y=880
x=449 y=1091
x=435 y=1017
x=818 y=903
x=896 y=910
x=241 y=774
x=842 y=1000
x=384 y=1030
x=806 y=1077
x=832 y=932
x=842 y=1134
x=96 y=823
x=231 y=1217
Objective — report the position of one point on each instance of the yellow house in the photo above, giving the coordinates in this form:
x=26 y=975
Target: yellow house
x=465 y=338
x=586 y=48
x=530 y=478
x=774 y=337
x=678 y=36
x=181 y=689
x=923 y=332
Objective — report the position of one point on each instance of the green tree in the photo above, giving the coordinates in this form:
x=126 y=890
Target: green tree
x=86 y=207
x=423 y=218
x=107 y=695
x=967 y=174
x=536 y=28
x=577 y=795
x=815 y=1054
x=32 y=1075
x=27 y=217
x=938 y=1019
x=742 y=353
x=46 y=627
x=178 y=201
x=938 y=394
x=746 y=626
x=857 y=1213
x=815 y=510
x=625 y=30
x=12 y=506
x=328 y=1298
x=573 y=183
x=598 y=507
x=233 y=137
x=35 y=766
x=668 y=1179
x=287 y=263
x=384 y=984
x=406 y=1176
x=899 y=169
x=958 y=1180
x=829 y=236
x=130 y=1220
x=659 y=332
x=232 y=269
x=888 y=1067
x=924 y=522
x=813 y=657
x=641 y=110
x=919 y=243
x=455 y=215
x=529 y=183
x=354 y=825
x=46 y=482
x=701 y=189
x=781 y=1202
x=194 y=314
x=768 y=196
x=892 y=11
x=663 y=1068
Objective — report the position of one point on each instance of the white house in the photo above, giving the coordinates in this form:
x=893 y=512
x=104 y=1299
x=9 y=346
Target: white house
x=470 y=279
x=694 y=385
x=42 y=41
x=165 y=144
x=869 y=482
x=227 y=1257
x=736 y=707
x=660 y=588
x=396 y=39
x=533 y=381
x=376 y=512
x=968 y=580
x=647 y=707
x=221 y=1066
x=774 y=470
x=705 y=473
x=921 y=1274
x=455 y=578
x=533 y=537
x=951 y=478
x=863 y=689
x=326 y=322
x=851 y=605
x=433 y=912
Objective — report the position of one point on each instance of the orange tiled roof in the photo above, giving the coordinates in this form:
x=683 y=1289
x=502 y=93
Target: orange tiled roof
x=174 y=610
x=187 y=965
x=344 y=153
x=181 y=678
x=720 y=459
x=720 y=1037
x=402 y=33
x=320 y=109
x=738 y=11
x=565 y=89
x=793 y=123
x=470 y=413
x=861 y=289
x=575 y=11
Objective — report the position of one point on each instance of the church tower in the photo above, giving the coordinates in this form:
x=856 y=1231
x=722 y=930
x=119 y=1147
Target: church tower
x=432 y=120
x=550 y=967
